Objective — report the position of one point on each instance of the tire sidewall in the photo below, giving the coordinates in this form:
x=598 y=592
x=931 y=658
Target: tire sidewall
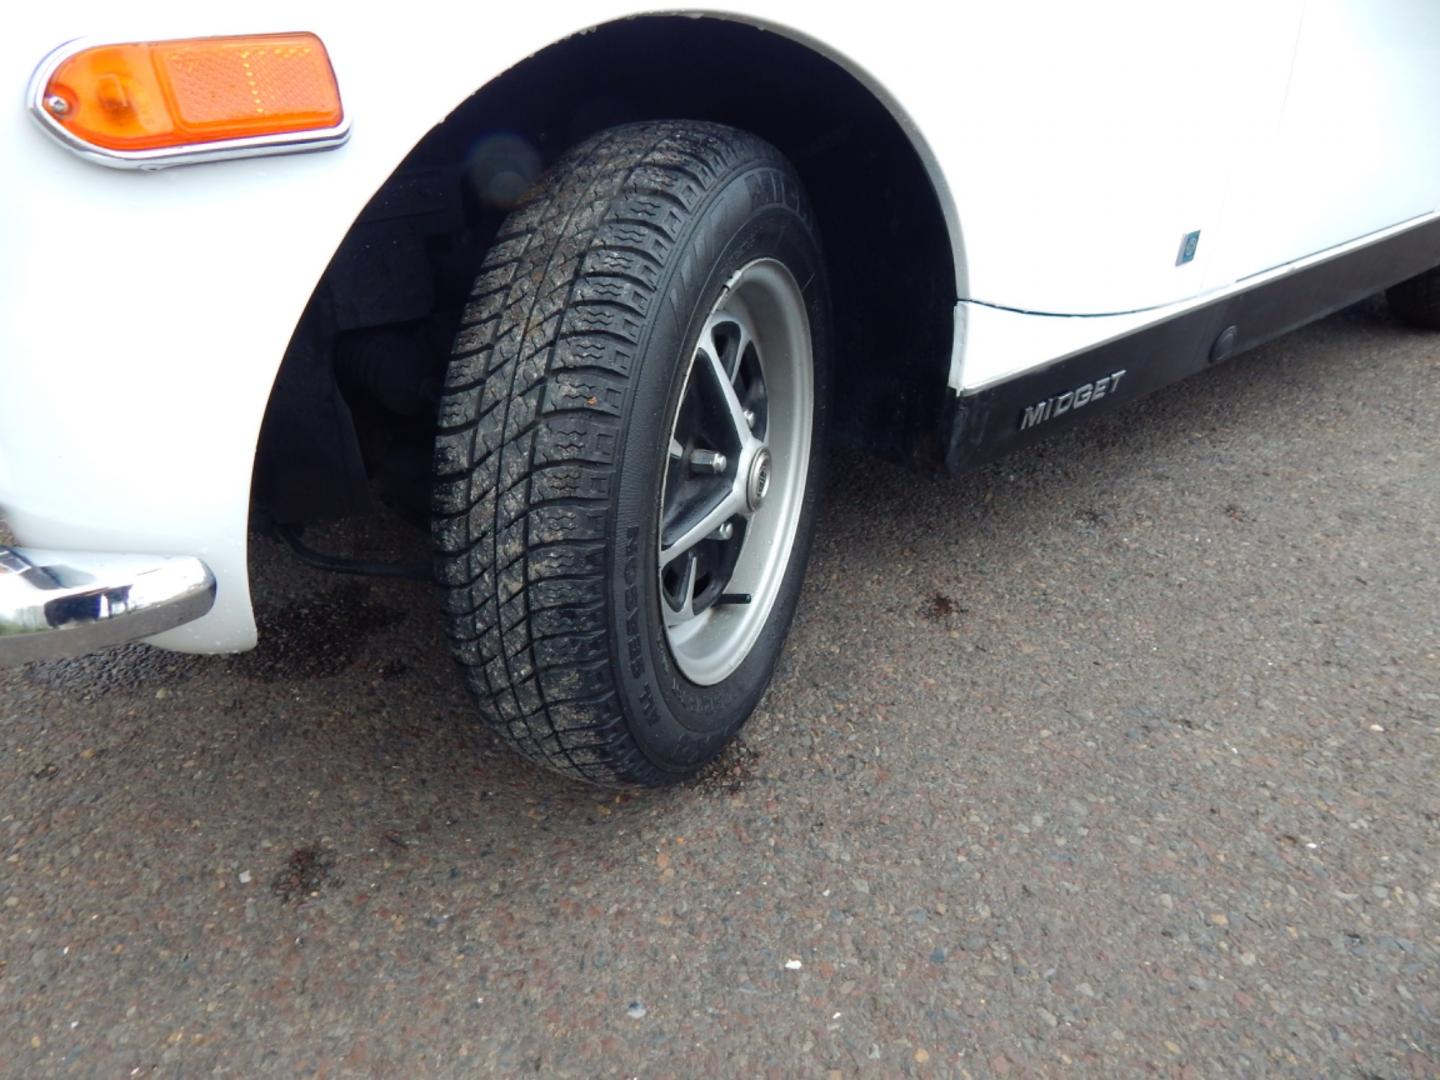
x=758 y=212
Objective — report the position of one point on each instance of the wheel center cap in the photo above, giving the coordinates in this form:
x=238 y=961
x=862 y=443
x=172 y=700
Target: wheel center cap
x=757 y=485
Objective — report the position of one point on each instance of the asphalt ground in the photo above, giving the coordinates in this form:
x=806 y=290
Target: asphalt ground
x=1116 y=758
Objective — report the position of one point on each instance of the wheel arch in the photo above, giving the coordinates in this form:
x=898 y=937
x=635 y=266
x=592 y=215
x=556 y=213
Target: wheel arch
x=894 y=246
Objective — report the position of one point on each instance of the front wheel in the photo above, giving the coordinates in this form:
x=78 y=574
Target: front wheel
x=630 y=450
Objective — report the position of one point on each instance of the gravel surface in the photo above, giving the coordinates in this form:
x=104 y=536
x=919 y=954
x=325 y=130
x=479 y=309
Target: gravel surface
x=1116 y=758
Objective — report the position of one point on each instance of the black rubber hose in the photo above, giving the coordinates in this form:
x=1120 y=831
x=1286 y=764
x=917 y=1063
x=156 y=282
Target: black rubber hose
x=338 y=565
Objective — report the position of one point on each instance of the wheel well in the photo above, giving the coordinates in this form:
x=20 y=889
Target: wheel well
x=354 y=393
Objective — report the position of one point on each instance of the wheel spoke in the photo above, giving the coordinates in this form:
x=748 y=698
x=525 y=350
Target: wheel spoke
x=686 y=611
x=736 y=339
x=734 y=410
x=733 y=503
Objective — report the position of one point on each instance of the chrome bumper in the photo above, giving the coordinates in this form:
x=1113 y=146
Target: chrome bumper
x=65 y=603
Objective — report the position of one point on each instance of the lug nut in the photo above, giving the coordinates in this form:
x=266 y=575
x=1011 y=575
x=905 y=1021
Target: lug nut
x=708 y=461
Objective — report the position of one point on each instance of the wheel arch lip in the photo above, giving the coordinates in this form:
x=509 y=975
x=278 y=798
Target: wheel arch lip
x=442 y=105
x=897 y=111
x=814 y=41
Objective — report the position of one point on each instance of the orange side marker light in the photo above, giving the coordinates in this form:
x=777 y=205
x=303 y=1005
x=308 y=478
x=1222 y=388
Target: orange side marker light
x=175 y=95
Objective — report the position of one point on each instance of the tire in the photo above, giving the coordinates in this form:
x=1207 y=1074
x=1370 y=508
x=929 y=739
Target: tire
x=585 y=434
x=1417 y=301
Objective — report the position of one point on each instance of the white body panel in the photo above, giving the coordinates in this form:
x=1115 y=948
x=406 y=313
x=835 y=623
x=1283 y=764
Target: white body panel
x=1351 y=151
x=997 y=342
x=143 y=315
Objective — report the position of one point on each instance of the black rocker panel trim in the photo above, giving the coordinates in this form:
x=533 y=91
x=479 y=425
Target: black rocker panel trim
x=991 y=422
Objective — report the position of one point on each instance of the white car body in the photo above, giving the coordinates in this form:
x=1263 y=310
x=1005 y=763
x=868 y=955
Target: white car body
x=144 y=315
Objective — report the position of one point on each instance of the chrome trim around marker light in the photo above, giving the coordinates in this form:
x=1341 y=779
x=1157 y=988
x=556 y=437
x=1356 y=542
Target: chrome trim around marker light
x=290 y=142
x=66 y=603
